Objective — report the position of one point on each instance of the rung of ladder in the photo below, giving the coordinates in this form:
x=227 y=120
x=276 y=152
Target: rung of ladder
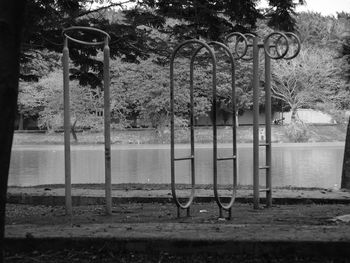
x=184 y=158
x=264 y=144
x=265 y=190
x=227 y=158
x=264 y=167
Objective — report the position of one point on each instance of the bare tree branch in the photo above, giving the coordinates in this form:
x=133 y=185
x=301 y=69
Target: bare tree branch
x=103 y=8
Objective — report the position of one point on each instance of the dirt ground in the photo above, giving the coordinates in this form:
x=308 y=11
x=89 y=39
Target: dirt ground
x=312 y=214
x=312 y=222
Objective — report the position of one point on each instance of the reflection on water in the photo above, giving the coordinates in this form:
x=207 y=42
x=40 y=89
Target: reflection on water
x=299 y=165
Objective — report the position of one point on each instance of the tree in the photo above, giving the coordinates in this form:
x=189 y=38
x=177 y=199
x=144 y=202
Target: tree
x=11 y=22
x=145 y=89
x=313 y=77
x=40 y=64
x=86 y=104
x=130 y=29
x=136 y=33
x=214 y=19
x=46 y=19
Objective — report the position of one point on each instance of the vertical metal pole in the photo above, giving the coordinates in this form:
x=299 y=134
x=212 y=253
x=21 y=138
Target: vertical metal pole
x=215 y=144
x=256 y=122
x=234 y=127
x=107 y=130
x=67 y=159
x=268 y=128
x=172 y=133
x=193 y=177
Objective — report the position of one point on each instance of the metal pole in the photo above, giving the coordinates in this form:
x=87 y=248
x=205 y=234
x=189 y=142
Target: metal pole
x=234 y=132
x=215 y=143
x=256 y=122
x=193 y=176
x=268 y=128
x=107 y=129
x=67 y=159
x=172 y=134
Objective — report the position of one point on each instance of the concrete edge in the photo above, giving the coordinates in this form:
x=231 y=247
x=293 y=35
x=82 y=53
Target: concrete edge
x=183 y=246
x=89 y=200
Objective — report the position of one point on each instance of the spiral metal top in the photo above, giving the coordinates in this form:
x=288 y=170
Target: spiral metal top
x=239 y=37
x=277 y=45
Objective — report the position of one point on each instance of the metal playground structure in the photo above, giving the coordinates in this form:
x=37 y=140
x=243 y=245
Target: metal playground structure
x=276 y=45
x=107 y=117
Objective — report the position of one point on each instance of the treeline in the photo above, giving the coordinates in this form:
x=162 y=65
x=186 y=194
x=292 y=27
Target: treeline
x=142 y=40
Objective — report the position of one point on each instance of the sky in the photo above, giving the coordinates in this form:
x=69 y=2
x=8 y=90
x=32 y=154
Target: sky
x=325 y=7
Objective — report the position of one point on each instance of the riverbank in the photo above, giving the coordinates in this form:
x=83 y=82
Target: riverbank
x=316 y=133
x=138 y=231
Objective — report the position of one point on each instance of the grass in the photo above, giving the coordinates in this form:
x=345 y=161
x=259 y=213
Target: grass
x=318 y=133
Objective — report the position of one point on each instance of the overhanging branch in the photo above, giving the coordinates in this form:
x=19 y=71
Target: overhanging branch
x=102 y=8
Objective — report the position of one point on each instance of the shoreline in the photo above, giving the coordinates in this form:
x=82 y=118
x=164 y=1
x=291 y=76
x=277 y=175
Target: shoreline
x=33 y=146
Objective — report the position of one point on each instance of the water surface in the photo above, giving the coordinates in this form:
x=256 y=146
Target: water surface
x=297 y=165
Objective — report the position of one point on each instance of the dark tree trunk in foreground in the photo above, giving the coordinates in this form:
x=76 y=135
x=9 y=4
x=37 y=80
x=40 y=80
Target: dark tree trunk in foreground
x=11 y=22
x=345 y=178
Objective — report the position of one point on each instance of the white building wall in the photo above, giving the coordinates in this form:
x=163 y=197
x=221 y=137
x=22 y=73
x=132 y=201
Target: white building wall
x=308 y=116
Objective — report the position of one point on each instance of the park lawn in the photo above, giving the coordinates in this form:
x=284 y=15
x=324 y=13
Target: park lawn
x=317 y=133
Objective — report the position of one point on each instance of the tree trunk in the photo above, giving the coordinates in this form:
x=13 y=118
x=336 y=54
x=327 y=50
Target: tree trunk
x=21 y=120
x=75 y=137
x=345 y=178
x=11 y=22
x=293 y=116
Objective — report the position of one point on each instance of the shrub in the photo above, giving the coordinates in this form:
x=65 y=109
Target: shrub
x=297 y=132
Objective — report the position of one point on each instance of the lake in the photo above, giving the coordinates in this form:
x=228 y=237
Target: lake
x=297 y=165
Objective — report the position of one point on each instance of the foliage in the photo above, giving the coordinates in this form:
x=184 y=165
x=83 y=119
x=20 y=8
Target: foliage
x=132 y=31
x=145 y=89
x=314 y=76
x=145 y=35
x=86 y=105
x=321 y=31
x=281 y=15
x=46 y=20
x=30 y=99
x=38 y=63
x=297 y=132
x=214 y=19
x=326 y=32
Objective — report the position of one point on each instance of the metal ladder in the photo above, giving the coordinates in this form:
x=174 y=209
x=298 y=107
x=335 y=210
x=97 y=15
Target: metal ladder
x=283 y=40
x=256 y=144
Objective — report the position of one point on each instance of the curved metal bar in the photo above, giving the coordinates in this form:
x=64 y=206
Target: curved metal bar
x=91 y=29
x=297 y=40
x=228 y=206
x=238 y=36
x=267 y=46
x=247 y=36
x=172 y=115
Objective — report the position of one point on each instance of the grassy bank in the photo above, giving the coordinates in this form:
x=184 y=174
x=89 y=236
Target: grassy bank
x=315 y=133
